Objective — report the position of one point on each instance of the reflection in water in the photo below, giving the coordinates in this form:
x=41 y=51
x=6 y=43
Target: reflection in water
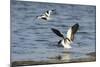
x=63 y=57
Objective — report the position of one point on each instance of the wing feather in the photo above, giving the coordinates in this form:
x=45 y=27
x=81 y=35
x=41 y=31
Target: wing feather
x=71 y=32
x=57 y=32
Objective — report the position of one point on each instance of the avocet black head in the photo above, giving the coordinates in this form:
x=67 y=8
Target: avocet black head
x=66 y=41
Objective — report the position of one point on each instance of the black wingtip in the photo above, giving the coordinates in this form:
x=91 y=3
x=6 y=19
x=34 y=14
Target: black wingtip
x=75 y=27
x=53 y=29
x=57 y=32
x=77 y=24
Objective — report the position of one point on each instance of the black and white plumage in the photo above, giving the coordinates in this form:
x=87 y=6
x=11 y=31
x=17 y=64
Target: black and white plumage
x=46 y=15
x=66 y=41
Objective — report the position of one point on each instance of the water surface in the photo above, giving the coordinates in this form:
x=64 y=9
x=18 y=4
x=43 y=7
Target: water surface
x=33 y=40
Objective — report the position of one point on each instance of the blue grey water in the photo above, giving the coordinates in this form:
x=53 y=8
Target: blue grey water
x=32 y=39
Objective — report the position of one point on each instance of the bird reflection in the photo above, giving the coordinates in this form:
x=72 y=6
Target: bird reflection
x=63 y=57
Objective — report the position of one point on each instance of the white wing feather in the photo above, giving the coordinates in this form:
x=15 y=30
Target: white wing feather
x=69 y=33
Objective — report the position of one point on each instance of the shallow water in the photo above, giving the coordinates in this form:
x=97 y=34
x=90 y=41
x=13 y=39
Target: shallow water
x=32 y=39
